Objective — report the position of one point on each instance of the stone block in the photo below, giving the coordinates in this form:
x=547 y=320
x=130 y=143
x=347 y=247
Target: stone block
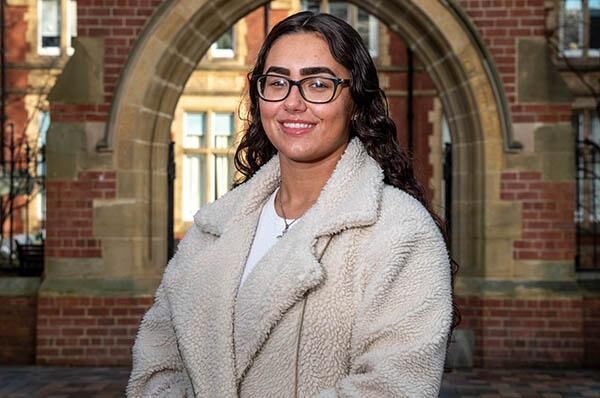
x=503 y=220
x=524 y=161
x=99 y=287
x=556 y=146
x=86 y=67
x=132 y=257
x=538 y=80
x=134 y=155
x=125 y=218
x=61 y=268
x=554 y=138
x=120 y=218
x=544 y=270
x=134 y=184
x=19 y=286
x=65 y=144
x=559 y=166
x=498 y=258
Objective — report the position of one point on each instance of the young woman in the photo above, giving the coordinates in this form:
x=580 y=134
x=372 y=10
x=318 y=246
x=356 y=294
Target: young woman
x=323 y=273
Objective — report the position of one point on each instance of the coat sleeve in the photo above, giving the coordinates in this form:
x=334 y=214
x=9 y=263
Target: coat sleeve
x=158 y=369
x=403 y=318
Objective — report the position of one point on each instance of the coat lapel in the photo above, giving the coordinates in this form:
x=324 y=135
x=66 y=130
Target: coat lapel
x=292 y=268
x=204 y=284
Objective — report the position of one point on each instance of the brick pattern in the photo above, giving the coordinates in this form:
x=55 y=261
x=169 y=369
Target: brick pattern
x=17 y=83
x=74 y=113
x=527 y=333
x=90 y=331
x=17 y=330
x=119 y=22
x=70 y=214
x=16 y=33
x=547 y=213
x=501 y=23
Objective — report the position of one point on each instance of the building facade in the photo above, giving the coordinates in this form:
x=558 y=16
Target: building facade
x=495 y=98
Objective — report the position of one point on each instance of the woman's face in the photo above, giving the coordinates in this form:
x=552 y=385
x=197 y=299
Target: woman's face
x=301 y=131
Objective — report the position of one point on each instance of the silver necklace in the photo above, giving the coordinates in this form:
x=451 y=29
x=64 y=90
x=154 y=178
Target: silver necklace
x=287 y=225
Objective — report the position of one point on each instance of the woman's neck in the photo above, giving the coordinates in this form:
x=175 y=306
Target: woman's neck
x=301 y=185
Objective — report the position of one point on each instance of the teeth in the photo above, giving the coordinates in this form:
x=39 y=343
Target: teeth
x=297 y=125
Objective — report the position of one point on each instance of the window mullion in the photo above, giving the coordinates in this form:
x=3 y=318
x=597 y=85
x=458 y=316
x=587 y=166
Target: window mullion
x=586 y=27
x=209 y=180
x=64 y=26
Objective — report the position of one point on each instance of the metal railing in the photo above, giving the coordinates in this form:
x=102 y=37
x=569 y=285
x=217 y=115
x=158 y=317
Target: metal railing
x=587 y=212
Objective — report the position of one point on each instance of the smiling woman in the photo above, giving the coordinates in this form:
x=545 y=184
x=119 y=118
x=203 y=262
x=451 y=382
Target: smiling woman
x=323 y=273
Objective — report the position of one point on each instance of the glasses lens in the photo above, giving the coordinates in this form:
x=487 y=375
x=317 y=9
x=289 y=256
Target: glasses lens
x=318 y=89
x=273 y=88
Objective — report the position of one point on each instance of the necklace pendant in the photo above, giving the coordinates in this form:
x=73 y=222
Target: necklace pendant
x=283 y=232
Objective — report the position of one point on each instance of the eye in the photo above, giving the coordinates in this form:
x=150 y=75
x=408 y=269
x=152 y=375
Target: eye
x=277 y=82
x=319 y=83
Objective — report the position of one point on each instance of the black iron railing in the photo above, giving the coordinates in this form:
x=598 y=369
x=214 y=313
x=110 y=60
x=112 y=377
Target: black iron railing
x=587 y=212
x=448 y=189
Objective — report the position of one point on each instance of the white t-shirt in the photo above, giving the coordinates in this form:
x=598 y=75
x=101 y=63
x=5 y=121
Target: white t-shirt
x=270 y=226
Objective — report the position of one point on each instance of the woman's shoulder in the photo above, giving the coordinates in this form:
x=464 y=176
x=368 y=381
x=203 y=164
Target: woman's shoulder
x=400 y=208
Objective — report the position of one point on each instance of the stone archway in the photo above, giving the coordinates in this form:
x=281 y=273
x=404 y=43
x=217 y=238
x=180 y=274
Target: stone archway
x=179 y=34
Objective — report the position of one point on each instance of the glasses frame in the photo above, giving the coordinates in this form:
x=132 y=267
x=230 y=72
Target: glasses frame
x=335 y=80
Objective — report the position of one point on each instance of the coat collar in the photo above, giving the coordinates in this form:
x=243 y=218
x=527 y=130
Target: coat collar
x=282 y=278
x=350 y=198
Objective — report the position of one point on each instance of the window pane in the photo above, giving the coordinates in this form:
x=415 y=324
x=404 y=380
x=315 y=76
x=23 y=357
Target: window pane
x=72 y=19
x=362 y=25
x=311 y=5
x=223 y=174
x=225 y=42
x=222 y=127
x=594 y=24
x=571 y=29
x=595 y=127
x=367 y=27
x=340 y=9
x=50 y=23
x=193 y=191
x=44 y=125
x=193 y=130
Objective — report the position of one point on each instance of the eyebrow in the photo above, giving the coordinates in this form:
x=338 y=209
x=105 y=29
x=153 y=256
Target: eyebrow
x=313 y=70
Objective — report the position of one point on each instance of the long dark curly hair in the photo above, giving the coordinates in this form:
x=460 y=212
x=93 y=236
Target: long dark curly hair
x=370 y=121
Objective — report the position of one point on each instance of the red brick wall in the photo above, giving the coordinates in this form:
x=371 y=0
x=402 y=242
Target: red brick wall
x=421 y=107
x=119 y=22
x=534 y=332
x=17 y=330
x=70 y=214
x=88 y=331
x=255 y=22
x=16 y=33
x=547 y=213
x=501 y=23
x=17 y=81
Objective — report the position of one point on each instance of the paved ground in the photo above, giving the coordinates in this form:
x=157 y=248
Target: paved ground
x=50 y=382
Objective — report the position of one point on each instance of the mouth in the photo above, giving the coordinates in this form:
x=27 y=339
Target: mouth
x=296 y=128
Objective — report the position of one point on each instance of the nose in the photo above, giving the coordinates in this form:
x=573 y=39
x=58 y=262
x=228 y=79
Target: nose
x=294 y=101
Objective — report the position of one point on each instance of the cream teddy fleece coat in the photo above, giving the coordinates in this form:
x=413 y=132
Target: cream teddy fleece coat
x=354 y=301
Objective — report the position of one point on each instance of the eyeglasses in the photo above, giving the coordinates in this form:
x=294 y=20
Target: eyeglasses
x=314 y=89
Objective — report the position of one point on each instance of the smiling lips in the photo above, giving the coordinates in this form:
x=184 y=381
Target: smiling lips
x=296 y=127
